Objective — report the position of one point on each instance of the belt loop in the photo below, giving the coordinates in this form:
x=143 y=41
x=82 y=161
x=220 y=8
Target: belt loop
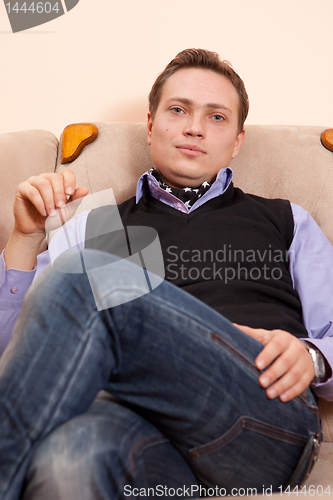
x=314 y=455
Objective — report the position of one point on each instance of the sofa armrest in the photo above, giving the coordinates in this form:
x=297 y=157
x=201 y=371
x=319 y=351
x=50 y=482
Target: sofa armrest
x=22 y=154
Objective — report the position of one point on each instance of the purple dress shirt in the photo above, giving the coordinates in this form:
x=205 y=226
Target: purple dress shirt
x=310 y=250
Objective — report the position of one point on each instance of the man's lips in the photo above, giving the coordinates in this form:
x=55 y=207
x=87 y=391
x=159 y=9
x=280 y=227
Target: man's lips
x=190 y=150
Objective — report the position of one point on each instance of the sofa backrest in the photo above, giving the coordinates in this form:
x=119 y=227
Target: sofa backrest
x=274 y=161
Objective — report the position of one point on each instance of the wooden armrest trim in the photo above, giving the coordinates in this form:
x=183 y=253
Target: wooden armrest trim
x=327 y=139
x=75 y=137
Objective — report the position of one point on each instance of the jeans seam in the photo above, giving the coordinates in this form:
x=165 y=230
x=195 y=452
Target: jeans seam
x=142 y=446
x=181 y=312
x=309 y=407
x=251 y=424
x=301 y=398
x=216 y=338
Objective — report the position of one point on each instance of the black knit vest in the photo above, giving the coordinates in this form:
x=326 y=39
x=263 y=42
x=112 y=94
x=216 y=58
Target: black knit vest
x=231 y=253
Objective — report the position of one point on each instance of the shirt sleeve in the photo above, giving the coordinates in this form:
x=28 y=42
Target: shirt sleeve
x=71 y=236
x=14 y=283
x=311 y=269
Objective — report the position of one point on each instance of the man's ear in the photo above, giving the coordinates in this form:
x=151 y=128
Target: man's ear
x=238 y=143
x=149 y=128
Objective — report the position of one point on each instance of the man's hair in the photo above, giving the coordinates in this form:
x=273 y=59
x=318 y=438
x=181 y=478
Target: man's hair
x=203 y=59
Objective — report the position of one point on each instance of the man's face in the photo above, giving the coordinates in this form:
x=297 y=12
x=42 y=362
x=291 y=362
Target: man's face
x=195 y=129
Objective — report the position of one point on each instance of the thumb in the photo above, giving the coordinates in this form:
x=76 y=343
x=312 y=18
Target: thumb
x=68 y=210
x=63 y=214
x=80 y=192
x=259 y=334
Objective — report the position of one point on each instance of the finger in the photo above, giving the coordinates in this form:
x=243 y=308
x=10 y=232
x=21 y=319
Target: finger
x=42 y=191
x=263 y=336
x=279 y=341
x=72 y=193
x=66 y=212
x=285 y=363
x=51 y=189
x=292 y=384
x=73 y=203
x=80 y=192
x=295 y=390
x=25 y=191
x=57 y=181
x=69 y=181
x=291 y=373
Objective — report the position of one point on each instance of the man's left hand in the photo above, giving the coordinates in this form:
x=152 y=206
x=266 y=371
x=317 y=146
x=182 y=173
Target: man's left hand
x=290 y=370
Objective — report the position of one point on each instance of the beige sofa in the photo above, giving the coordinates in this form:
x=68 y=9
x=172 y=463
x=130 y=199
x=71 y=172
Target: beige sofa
x=275 y=161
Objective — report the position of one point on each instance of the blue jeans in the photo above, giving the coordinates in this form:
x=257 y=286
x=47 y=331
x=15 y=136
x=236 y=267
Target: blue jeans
x=182 y=366
x=103 y=453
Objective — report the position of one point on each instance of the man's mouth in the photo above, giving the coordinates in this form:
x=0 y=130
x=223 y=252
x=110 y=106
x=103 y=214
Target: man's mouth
x=190 y=150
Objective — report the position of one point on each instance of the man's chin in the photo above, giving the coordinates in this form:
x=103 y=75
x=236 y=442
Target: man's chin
x=188 y=179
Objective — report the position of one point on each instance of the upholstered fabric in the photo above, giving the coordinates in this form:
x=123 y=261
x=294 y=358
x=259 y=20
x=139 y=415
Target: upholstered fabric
x=274 y=161
x=288 y=162
x=22 y=154
x=115 y=160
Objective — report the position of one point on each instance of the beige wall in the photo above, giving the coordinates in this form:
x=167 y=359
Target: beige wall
x=97 y=62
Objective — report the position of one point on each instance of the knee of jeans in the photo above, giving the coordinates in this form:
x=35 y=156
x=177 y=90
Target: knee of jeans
x=73 y=267
x=67 y=272
x=76 y=261
x=70 y=452
x=55 y=278
x=63 y=466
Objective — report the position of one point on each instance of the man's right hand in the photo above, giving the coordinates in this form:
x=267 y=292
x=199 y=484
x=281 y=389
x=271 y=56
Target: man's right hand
x=40 y=196
x=35 y=200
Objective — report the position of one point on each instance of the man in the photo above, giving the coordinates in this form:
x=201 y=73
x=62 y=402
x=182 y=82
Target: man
x=237 y=414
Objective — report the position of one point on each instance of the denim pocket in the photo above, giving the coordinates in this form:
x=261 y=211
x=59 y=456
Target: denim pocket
x=252 y=424
x=251 y=453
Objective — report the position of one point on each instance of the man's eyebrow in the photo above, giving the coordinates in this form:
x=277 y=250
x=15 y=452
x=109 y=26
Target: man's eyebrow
x=189 y=102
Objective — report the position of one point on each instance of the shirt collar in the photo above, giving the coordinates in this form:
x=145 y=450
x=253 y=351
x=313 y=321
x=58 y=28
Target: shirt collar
x=148 y=182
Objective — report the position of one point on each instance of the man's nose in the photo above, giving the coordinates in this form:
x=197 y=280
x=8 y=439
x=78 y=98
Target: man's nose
x=195 y=126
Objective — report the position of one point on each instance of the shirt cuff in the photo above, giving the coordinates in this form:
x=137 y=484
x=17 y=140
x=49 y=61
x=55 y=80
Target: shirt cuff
x=14 y=282
x=325 y=346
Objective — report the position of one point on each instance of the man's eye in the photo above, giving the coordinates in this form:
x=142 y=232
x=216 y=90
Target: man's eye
x=218 y=118
x=177 y=110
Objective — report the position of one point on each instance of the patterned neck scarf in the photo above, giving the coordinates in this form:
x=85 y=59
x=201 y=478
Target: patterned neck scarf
x=187 y=195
